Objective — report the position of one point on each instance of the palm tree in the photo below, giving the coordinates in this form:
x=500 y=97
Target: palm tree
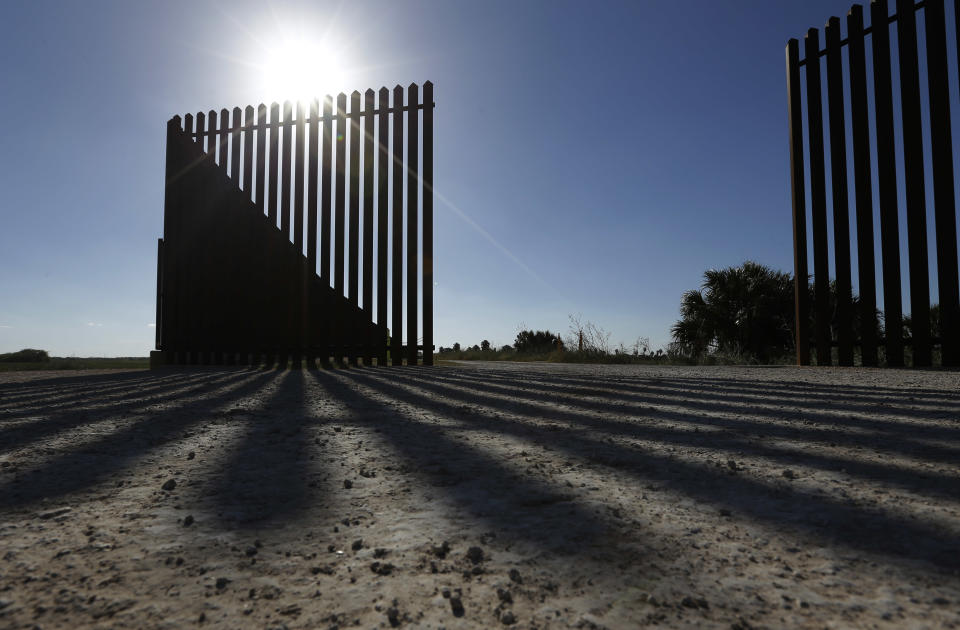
x=745 y=310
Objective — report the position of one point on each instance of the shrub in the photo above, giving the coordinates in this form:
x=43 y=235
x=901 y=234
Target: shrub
x=27 y=355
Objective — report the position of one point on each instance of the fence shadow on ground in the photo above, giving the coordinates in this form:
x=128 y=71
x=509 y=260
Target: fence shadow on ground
x=667 y=433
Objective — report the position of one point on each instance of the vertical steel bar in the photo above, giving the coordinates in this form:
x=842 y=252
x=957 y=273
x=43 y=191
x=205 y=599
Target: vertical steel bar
x=943 y=195
x=340 y=201
x=413 y=226
x=285 y=170
x=312 y=186
x=172 y=332
x=298 y=178
x=248 y=152
x=354 y=198
x=274 y=161
x=326 y=182
x=383 y=211
x=396 y=301
x=887 y=183
x=224 y=135
x=838 y=177
x=261 y=155
x=860 y=128
x=427 y=223
x=914 y=179
x=235 y=125
x=797 y=188
x=298 y=182
x=818 y=200
x=212 y=130
x=368 y=120
x=201 y=128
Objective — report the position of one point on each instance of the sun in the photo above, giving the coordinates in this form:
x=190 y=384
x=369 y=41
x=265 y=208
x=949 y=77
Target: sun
x=302 y=70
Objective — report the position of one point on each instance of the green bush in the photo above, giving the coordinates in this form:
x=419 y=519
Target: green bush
x=27 y=355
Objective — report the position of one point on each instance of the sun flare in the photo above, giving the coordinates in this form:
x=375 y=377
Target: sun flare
x=301 y=70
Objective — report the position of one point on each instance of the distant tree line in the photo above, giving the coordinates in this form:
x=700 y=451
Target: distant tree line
x=27 y=355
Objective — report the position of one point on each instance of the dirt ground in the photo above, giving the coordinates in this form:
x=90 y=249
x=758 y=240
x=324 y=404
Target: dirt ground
x=481 y=495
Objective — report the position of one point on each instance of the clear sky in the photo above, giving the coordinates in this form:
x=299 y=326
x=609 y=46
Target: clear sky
x=597 y=157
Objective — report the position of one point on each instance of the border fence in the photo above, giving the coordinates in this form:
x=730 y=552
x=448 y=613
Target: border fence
x=292 y=234
x=874 y=119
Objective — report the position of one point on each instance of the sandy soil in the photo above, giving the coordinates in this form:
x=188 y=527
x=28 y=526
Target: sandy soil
x=481 y=495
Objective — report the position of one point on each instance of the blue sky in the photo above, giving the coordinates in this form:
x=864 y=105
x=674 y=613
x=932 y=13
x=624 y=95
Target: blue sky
x=609 y=152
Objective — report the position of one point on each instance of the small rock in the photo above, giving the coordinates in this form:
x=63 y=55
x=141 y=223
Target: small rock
x=54 y=513
x=382 y=568
x=504 y=596
x=291 y=609
x=442 y=550
x=222 y=583
x=188 y=520
x=515 y=576
x=169 y=485
x=357 y=544
x=508 y=619
x=732 y=465
x=347 y=484
x=475 y=555
x=789 y=474
x=393 y=616
x=251 y=551
x=380 y=552
x=191 y=455
x=456 y=605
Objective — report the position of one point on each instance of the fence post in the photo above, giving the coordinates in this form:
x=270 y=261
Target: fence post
x=298 y=173
x=261 y=157
x=838 y=177
x=355 y=131
x=383 y=212
x=248 y=152
x=428 y=223
x=338 y=254
x=818 y=201
x=860 y=127
x=312 y=166
x=413 y=226
x=213 y=145
x=235 y=126
x=801 y=292
x=285 y=170
x=274 y=161
x=887 y=184
x=943 y=196
x=326 y=179
x=914 y=179
x=369 y=118
x=224 y=141
x=201 y=128
x=396 y=302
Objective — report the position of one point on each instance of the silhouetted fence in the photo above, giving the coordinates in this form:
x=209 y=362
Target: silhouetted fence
x=867 y=182
x=280 y=228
